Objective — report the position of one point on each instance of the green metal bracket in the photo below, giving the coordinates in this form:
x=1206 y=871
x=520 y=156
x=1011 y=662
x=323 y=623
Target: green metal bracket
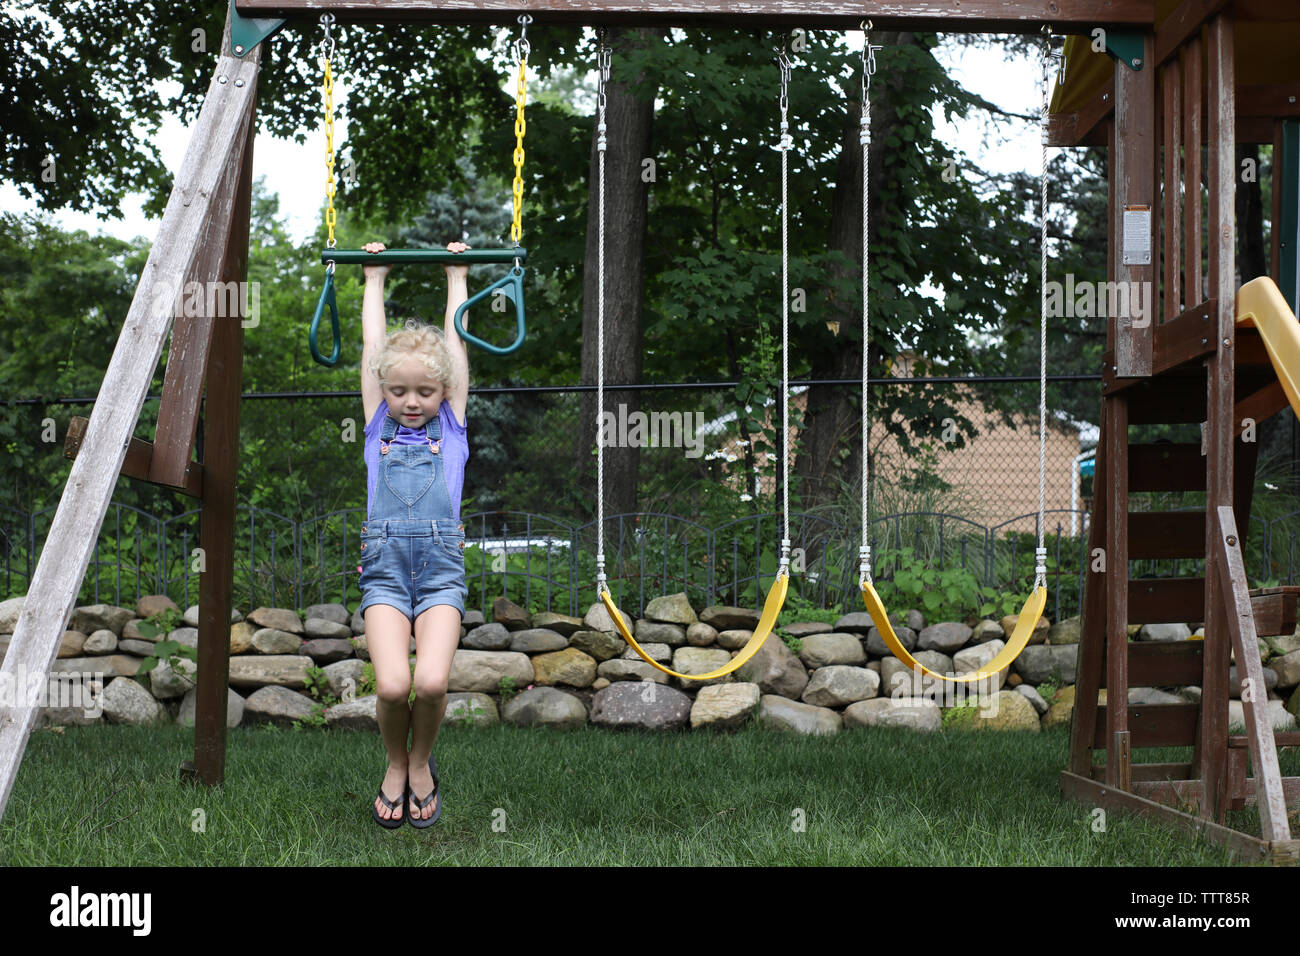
x=248 y=32
x=1288 y=272
x=1126 y=46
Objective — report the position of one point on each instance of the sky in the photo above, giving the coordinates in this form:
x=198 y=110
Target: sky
x=1011 y=83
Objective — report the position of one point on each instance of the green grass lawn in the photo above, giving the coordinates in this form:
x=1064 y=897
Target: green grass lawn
x=110 y=795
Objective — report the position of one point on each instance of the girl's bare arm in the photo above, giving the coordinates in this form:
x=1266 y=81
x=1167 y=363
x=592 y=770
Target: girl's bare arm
x=457 y=394
x=374 y=328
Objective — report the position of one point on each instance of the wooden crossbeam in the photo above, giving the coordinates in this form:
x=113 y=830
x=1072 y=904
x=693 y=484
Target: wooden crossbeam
x=217 y=146
x=973 y=16
x=138 y=457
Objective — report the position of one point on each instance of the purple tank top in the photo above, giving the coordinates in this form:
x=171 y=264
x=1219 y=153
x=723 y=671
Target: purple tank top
x=454 y=451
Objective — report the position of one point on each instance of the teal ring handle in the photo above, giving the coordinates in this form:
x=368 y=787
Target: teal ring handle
x=326 y=298
x=513 y=284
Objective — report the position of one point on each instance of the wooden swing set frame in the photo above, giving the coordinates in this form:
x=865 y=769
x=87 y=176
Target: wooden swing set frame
x=1171 y=82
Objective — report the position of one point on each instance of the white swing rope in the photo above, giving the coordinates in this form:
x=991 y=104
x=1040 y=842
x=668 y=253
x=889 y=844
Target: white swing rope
x=864 y=137
x=603 y=59
x=786 y=142
x=1040 y=553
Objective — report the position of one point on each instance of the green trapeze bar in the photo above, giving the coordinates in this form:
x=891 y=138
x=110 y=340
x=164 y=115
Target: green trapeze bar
x=359 y=257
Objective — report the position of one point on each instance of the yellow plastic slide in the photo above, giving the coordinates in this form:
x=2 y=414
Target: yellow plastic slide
x=1260 y=303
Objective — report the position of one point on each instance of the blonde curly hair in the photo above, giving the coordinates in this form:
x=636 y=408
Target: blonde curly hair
x=425 y=343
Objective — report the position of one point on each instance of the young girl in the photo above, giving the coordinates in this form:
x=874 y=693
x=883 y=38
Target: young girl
x=414 y=386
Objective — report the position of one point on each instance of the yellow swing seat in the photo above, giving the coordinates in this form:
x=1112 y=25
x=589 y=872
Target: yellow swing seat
x=1025 y=624
x=775 y=601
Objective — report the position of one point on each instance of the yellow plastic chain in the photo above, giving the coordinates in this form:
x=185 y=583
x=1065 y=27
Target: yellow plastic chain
x=516 y=227
x=330 y=215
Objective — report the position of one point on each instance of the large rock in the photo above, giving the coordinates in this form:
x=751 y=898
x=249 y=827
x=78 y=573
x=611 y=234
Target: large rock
x=597 y=618
x=569 y=666
x=776 y=670
x=241 y=637
x=126 y=702
x=946 y=637
x=1152 y=695
x=282 y=670
x=335 y=613
x=560 y=623
x=600 y=645
x=877 y=647
x=778 y=713
x=489 y=637
x=72 y=702
x=1061 y=710
x=188 y=636
x=700 y=660
x=537 y=640
x=1287 y=668
x=971 y=659
x=987 y=630
x=9 y=611
x=1234 y=685
x=166 y=681
x=1006 y=710
x=344 y=677
x=277 y=619
x=671 y=609
x=474 y=709
x=1164 y=633
x=1038 y=636
x=277 y=705
x=545 y=706
x=640 y=706
x=802 y=629
x=916 y=713
x=90 y=618
x=360 y=713
x=482 y=670
x=138 y=648
x=507 y=612
x=472 y=617
x=673 y=635
x=72 y=644
x=1067 y=631
x=819 y=650
x=1279 y=718
x=656 y=652
x=1031 y=694
x=318 y=628
x=700 y=634
x=112 y=665
x=326 y=650
x=1283 y=643
x=734 y=639
x=855 y=622
x=840 y=684
x=900 y=681
x=1037 y=664
x=724 y=617
x=102 y=641
x=724 y=706
x=234 y=708
x=622 y=669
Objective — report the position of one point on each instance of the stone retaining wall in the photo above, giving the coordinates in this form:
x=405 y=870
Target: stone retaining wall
x=571 y=672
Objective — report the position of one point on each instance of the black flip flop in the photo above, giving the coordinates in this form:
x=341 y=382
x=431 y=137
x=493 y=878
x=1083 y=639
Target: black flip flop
x=416 y=822
x=392 y=823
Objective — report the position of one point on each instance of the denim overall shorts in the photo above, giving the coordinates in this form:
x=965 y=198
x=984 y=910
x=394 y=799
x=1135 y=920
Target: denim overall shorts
x=412 y=549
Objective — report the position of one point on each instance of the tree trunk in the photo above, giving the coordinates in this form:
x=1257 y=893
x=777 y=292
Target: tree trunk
x=629 y=123
x=831 y=450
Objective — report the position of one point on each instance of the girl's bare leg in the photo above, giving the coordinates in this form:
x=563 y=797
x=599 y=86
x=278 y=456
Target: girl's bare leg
x=437 y=634
x=388 y=637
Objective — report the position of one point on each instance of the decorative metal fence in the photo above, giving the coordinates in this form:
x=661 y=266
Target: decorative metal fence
x=543 y=562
